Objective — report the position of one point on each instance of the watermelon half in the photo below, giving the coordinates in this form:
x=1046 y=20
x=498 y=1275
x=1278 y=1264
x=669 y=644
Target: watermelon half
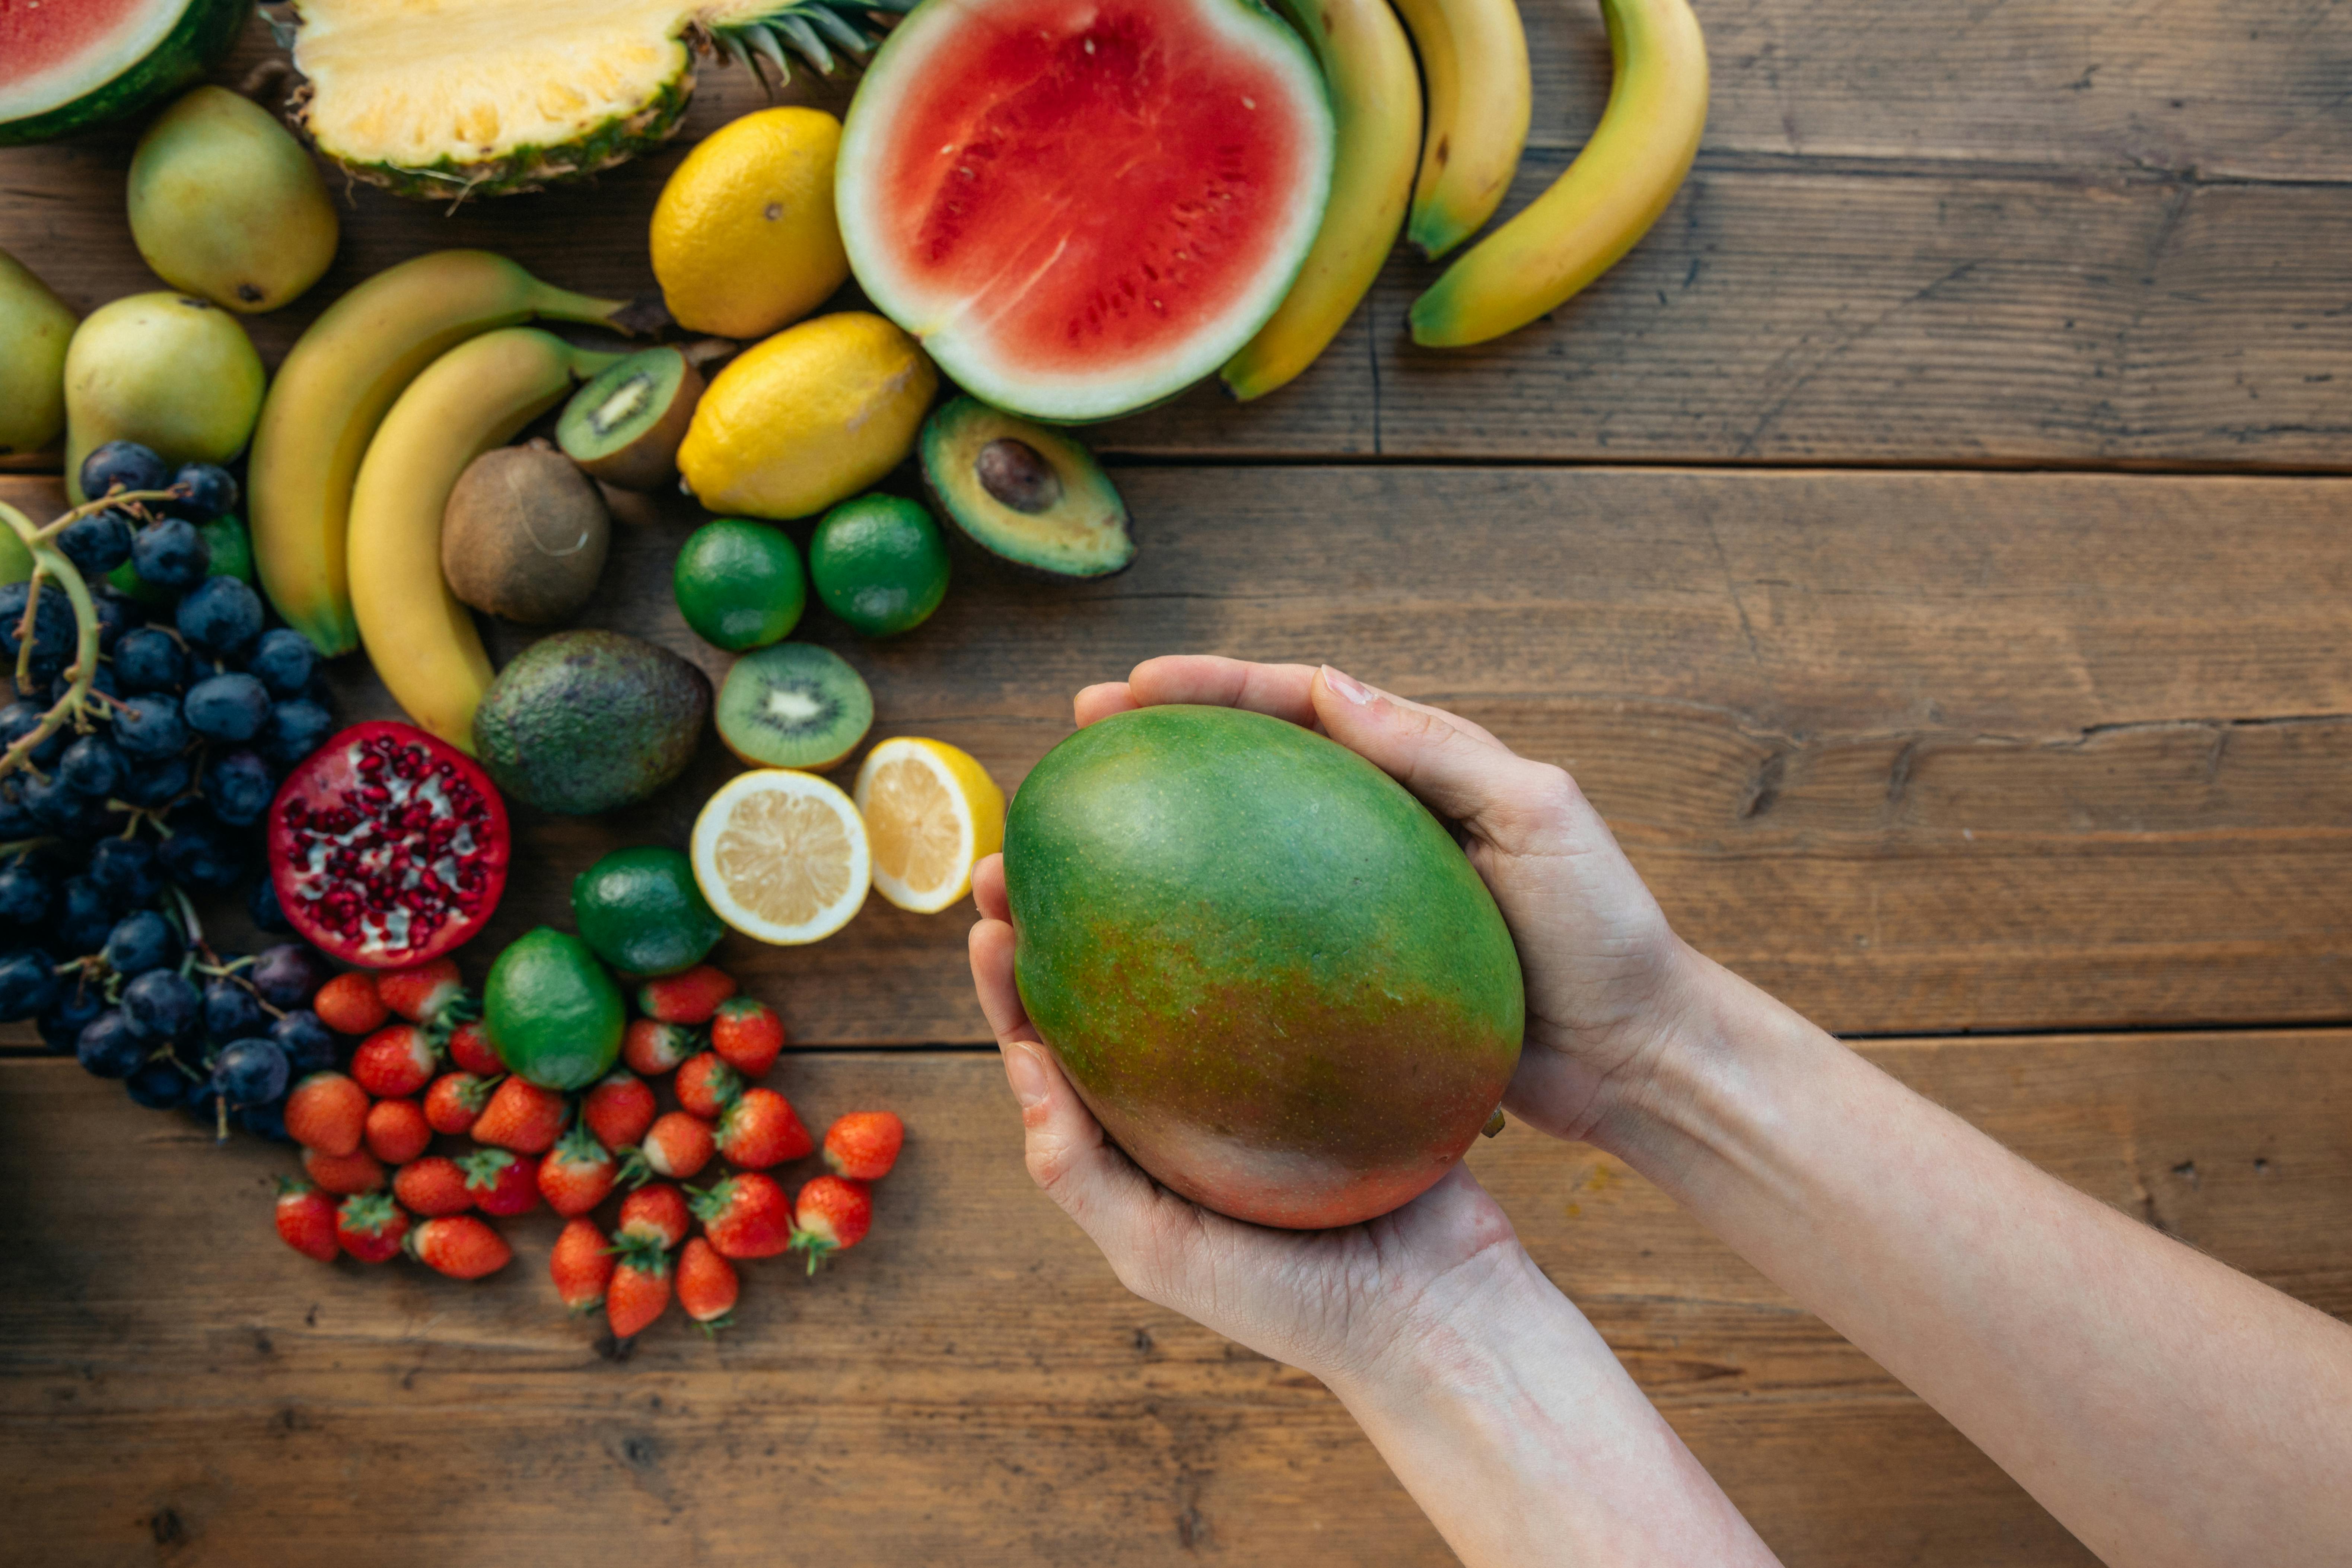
x=67 y=65
x=1083 y=207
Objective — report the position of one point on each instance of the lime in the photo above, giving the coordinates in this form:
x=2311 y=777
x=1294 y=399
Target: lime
x=740 y=584
x=641 y=911
x=552 y=1012
x=880 y=563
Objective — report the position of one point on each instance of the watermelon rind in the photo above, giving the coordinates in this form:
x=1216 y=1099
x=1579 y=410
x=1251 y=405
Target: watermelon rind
x=192 y=42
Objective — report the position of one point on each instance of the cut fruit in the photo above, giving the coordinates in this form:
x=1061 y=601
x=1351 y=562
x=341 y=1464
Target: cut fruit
x=1024 y=493
x=1081 y=209
x=931 y=812
x=793 y=705
x=67 y=65
x=624 y=426
x=781 y=855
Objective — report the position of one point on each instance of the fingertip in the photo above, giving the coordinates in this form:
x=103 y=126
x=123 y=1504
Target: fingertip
x=988 y=888
x=1100 y=701
x=992 y=947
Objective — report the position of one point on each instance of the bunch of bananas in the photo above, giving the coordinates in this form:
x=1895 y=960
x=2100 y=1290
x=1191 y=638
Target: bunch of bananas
x=1473 y=63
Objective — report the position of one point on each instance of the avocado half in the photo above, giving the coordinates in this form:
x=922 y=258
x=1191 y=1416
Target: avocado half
x=1025 y=492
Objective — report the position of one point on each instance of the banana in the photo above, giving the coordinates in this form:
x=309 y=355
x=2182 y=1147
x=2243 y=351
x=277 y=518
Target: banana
x=1605 y=202
x=1376 y=104
x=1473 y=56
x=332 y=393
x=421 y=640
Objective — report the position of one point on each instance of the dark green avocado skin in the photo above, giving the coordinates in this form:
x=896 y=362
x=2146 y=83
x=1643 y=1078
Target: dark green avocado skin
x=1084 y=535
x=585 y=722
x=1270 y=972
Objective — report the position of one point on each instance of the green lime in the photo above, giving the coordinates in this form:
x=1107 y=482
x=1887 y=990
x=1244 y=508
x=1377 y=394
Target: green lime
x=641 y=911
x=740 y=584
x=231 y=547
x=552 y=1012
x=880 y=563
x=126 y=580
x=16 y=560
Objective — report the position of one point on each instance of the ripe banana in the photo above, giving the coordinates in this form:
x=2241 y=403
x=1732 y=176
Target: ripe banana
x=1474 y=57
x=475 y=396
x=332 y=393
x=1606 y=200
x=1376 y=105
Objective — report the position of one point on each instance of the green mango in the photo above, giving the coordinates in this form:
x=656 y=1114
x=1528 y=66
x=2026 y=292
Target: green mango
x=171 y=373
x=227 y=205
x=34 y=328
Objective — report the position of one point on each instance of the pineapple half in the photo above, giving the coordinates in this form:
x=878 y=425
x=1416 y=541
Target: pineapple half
x=447 y=98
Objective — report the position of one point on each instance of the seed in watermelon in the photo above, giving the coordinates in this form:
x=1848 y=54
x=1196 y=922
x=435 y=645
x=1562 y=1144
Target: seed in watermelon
x=68 y=65
x=1083 y=208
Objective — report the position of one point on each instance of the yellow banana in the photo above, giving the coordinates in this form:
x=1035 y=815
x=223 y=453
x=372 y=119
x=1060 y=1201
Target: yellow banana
x=332 y=393
x=1376 y=106
x=421 y=640
x=1606 y=200
x=1474 y=59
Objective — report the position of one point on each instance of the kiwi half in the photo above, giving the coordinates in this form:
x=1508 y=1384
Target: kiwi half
x=793 y=705
x=624 y=427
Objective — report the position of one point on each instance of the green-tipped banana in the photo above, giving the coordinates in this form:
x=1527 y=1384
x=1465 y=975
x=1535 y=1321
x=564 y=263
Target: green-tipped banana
x=1474 y=57
x=333 y=391
x=1606 y=200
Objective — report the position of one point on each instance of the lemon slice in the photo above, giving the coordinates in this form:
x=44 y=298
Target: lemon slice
x=930 y=811
x=781 y=855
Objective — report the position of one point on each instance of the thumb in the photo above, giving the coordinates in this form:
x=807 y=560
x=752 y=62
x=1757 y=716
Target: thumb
x=1458 y=770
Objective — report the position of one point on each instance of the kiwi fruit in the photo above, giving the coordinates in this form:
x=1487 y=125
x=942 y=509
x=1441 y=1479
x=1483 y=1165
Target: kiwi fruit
x=793 y=705
x=524 y=535
x=623 y=426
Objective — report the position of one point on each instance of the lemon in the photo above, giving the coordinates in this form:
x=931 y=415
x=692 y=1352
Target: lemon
x=808 y=417
x=781 y=855
x=744 y=239
x=930 y=812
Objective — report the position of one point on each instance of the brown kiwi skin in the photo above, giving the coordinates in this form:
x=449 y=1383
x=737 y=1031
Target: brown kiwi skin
x=503 y=505
x=650 y=462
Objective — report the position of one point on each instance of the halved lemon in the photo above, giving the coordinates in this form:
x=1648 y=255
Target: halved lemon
x=781 y=855
x=930 y=812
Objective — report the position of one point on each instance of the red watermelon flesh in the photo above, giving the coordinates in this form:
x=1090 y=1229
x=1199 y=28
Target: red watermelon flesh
x=37 y=35
x=67 y=65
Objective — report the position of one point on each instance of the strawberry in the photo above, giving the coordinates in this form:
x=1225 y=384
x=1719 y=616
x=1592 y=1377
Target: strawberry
x=705 y=1085
x=619 y=1108
x=760 y=1131
x=581 y=1265
x=370 y=1226
x=460 y=1246
x=832 y=1215
x=433 y=1185
x=502 y=1183
x=748 y=1034
x=864 y=1145
x=397 y=1131
x=306 y=1219
x=343 y=1175
x=423 y=993
x=576 y=1178
x=349 y=1003
x=652 y=1047
x=656 y=1212
x=469 y=1048
x=688 y=998
x=523 y=1117
x=677 y=1145
x=639 y=1291
x=327 y=1111
x=454 y=1101
x=395 y=1062
x=706 y=1285
x=746 y=1216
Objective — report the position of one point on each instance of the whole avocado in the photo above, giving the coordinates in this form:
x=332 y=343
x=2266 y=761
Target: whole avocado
x=1269 y=970
x=552 y=1012
x=585 y=722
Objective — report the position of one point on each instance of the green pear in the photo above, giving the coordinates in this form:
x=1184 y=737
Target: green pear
x=226 y=204
x=35 y=327
x=170 y=373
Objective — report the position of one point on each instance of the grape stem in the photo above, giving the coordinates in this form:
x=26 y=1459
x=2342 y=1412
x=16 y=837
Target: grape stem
x=47 y=560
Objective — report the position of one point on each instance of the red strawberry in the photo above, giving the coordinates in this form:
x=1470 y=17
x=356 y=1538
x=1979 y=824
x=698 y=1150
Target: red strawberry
x=370 y=1226
x=619 y=1108
x=454 y=1101
x=581 y=1265
x=688 y=998
x=502 y=1183
x=523 y=1117
x=395 y=1062
x=327 y=1111
x=576 y=1178
x=705 y=1085
x=306 y=1219
x=639 y=1291
x=469 y=1048
x=652 y=1047
x=656 y=1212
x=748 y=1035
x=675 y=1145
x=746 y=1216
x=460 y=1246
x=349 y=1003
x=863 y=1145
x=423 y=993
x=397 y=1131
x=343 y=1175
x=433 y=1185
x=832 y=1215
x=760 y=1131
x=705 y=1284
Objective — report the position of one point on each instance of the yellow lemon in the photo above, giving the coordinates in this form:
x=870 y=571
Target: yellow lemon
x=810 y=416
x=781 y=855
x=744 y=239
x=930 y=812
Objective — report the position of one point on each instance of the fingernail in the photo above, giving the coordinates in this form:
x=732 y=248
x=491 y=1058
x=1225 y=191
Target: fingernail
x=1347 y=686
x=1024 y=1070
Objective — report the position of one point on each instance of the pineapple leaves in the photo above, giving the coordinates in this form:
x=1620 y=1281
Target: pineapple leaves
x=804 y=26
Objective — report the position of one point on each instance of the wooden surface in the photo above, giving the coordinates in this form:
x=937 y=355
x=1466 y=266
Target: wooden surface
x=1924 y=747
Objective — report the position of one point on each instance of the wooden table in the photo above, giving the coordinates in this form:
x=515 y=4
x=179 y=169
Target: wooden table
x=1927 y=548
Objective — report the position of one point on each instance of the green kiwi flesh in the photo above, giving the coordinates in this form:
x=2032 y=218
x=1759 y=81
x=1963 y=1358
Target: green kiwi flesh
x=793 y=705
x=624 y=426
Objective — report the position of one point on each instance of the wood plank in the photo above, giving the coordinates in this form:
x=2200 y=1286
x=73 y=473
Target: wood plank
x=971 y=1384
